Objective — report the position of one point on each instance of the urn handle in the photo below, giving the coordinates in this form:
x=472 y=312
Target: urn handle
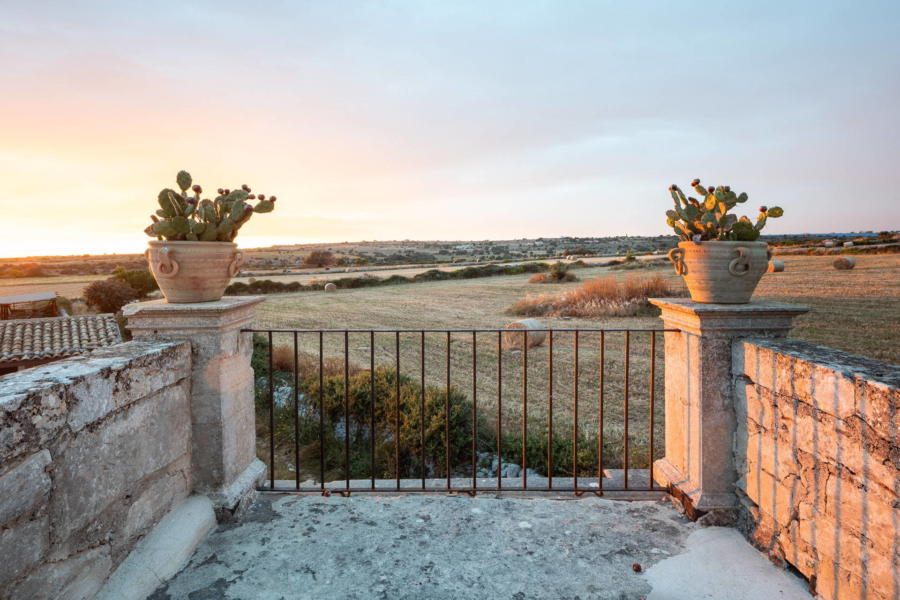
x=740 y=265
x=237 y=262
x=165 y=265
x=676 y=255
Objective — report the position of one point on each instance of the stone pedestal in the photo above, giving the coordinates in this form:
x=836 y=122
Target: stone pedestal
x=223 y=433
x=698 y=467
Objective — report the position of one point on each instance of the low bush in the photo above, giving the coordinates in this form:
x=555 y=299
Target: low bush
x=357 y=409
x=140 y=280
x=602 y=297
x=109 y=296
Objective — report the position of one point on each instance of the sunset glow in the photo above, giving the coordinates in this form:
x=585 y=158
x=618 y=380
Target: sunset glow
x=443 y=120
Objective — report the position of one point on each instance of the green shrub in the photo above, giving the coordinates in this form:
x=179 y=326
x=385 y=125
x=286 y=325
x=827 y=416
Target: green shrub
x=108 y=296
x=140 y=280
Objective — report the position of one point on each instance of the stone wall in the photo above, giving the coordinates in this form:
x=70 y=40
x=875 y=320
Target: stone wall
x=94 y=450
x=818 y=460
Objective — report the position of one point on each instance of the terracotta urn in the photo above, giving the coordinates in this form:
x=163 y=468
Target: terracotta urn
x=189 y=272
x=721 y=272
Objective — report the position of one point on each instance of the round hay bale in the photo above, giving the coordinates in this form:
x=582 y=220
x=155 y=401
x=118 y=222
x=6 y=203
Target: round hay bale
x=330 y=288
x=515 y=338
x=844 y=263
x=775 y=266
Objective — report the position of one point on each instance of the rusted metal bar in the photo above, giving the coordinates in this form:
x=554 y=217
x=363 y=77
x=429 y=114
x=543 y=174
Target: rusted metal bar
x=474 y=410
x=652 y=399
x=600 y=400
x=550 y=411
x=447 y=418
x=321 y=414
x=499 y=409
x=575 y=418
x=524 y=407
x=296 y=418
x=625 y=414
x=397 y=409
x=347 y=409
x=422 y=410
x=372 y=408
x=271 y=417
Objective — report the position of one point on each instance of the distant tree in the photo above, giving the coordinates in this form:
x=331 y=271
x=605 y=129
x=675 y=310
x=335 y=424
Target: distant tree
x=140 y=280
x=109 y=296
x=319 y=258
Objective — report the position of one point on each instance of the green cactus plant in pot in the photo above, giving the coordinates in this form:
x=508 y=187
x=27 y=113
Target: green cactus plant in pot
x=720 y=255
x=194 y=255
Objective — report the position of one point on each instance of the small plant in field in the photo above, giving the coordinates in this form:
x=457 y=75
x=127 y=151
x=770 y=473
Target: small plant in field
x=109 y=296
x=558 y=273
x=186 y=217
x=708 y=219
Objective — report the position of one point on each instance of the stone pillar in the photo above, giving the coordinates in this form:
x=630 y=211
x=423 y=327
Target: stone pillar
x=698 y=467
x=223 y=433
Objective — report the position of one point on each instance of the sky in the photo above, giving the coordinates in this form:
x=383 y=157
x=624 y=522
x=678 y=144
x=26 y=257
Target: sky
x=443 y=120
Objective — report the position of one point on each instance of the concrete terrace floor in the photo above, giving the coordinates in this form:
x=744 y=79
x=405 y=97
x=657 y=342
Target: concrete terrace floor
x=442 y=546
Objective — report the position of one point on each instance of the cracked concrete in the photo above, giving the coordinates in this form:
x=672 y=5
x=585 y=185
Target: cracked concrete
x=435 y=546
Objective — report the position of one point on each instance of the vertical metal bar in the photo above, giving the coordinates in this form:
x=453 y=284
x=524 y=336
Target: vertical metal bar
x=346 y=410
x=575 y=419
x=321 y=415
x=372 y=409
x=422 y=410
x=499 y=408
x=652 y=394
x=474 y=410
x=600 y=412
x=447 y=417
x=271 y=418
x=625 y=441
x=550 y=415
x=397 y=409
x=524 y=407
x=296 y=419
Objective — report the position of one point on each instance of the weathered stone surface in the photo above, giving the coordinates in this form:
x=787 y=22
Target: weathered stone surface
x=23 y=546
x=821 y=464
x=159 y=495
x=100 y=466
x=701 y=411
x=37 y=405
x=223 y=419
x=78 y=577
x=24 y=486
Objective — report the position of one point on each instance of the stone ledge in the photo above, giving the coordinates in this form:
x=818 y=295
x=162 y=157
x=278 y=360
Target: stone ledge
x=161 y=317
x=728 y=319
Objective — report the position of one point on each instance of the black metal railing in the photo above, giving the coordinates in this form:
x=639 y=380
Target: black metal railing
x=320 y=412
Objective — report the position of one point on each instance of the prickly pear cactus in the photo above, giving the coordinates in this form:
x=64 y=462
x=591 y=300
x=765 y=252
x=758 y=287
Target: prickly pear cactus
x=708 y=217
x=183 y=216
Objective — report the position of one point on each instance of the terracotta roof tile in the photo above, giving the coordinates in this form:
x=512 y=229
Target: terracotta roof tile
x=57 y=337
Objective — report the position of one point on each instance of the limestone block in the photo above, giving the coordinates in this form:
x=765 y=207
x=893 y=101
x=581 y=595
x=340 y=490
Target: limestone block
x=99 y=466
x=158 y=496
x=78 y=577
x=862 y=511
x=777 y=498
x=764 y=451
x=878 y=404
x=22 y=546
x=37 y=405
x=24 y=486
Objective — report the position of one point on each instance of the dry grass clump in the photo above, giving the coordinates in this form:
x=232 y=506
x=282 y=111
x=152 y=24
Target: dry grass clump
x=283 y=360
x=602 y=297
x=548 y=278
